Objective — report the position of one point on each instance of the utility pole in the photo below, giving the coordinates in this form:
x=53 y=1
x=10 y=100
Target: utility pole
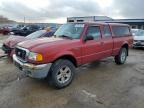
x=24 y=19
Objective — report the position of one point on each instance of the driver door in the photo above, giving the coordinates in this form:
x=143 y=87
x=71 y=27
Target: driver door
x=92 y=49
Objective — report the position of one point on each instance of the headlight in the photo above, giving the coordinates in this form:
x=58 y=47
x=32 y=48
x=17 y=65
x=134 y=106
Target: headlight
x=35 y=56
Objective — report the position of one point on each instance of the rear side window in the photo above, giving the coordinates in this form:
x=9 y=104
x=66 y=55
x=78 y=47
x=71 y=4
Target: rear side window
x=94 y=31
x=106 y=31
x=121 y=30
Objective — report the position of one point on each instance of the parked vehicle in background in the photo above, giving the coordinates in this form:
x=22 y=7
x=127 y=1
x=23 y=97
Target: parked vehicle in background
x=4 y=30
x=74 y=44
x=138 y=36
x=12 y=41
x=26 y=30
x=17 y=27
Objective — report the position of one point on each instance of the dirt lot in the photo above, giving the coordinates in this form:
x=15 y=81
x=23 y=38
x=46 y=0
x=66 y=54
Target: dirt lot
x=97 y=85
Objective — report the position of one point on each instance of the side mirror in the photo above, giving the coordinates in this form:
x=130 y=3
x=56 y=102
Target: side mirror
x=89 y=38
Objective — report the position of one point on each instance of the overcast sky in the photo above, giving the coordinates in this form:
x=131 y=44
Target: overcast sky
x=58 y=10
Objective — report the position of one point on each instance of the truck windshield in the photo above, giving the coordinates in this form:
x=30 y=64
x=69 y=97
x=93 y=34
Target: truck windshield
x=72 y=31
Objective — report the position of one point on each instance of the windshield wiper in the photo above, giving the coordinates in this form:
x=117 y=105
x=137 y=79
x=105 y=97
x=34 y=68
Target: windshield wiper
x=65 y=36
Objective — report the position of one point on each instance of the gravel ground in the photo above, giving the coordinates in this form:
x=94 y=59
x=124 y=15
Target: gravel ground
x=100 y=84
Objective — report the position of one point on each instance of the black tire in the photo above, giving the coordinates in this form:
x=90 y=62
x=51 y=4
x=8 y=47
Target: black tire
x=121 y=57
x=55 y=71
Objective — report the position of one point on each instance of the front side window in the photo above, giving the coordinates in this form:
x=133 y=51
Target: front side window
x=121 y=30
x=106 y=31
x=94 y=31
x=72 y=31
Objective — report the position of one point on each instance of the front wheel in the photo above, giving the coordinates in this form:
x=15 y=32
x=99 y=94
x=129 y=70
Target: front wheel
x=61 y=73
x=121 y=57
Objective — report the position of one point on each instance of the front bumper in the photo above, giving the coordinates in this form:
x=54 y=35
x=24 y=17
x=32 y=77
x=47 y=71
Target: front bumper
x=138 y=44
x=32 y=70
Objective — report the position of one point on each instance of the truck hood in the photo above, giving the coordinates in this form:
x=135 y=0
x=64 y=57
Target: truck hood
x=43 y=41
x=13 y=40
x=138 y=37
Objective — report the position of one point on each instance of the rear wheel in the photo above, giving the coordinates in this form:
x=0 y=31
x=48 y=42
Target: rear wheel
x=61 y=73
x=121 y=57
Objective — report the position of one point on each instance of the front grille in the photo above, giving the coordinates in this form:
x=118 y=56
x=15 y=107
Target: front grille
x=20 y=53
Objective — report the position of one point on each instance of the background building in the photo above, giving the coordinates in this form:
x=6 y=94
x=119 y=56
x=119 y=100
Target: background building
x=134 y=23
x=4 y=20
x=89 y=18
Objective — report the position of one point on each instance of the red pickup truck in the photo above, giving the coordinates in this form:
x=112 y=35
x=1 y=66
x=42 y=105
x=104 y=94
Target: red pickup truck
x=72 y=45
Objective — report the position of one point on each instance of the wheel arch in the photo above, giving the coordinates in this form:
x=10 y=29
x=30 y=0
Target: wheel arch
x=68 y=57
